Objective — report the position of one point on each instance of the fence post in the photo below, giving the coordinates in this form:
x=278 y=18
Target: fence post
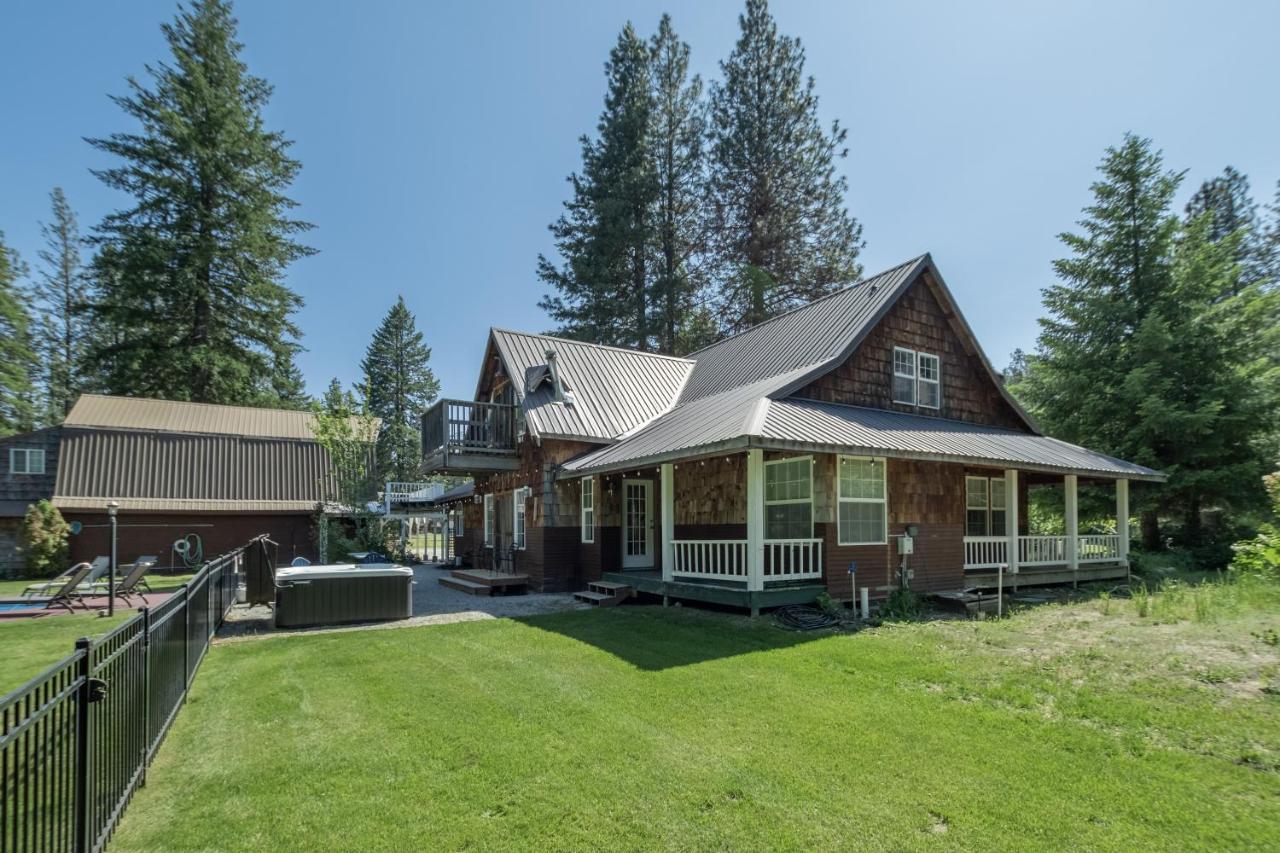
x=186 y=636
x=85 y=673
x=146 y=690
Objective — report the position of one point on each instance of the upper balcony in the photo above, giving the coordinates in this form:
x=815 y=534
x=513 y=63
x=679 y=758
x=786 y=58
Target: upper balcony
x=463 y=437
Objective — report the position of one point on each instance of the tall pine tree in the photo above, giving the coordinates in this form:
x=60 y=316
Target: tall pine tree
x=681 y=228
x=60 y=292
x=1226 y=198
x=784 y=236
x=1139 y=356
x=398 y=386
x=17 y=360
x=190 y=277
x=605 y=235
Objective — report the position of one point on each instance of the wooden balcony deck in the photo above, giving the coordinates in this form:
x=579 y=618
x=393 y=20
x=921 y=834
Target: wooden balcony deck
x=463 y=437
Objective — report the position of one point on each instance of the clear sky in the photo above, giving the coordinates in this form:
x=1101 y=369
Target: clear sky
x=436 y=138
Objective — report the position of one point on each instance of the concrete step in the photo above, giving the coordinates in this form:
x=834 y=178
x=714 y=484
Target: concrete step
x=464 y=585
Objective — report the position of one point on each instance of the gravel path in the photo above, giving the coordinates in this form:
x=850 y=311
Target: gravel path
x=433 y=604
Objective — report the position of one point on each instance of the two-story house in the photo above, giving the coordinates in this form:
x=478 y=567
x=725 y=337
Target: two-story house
x=863 y=440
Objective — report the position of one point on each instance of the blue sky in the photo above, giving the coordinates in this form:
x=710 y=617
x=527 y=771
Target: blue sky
x=436 y=138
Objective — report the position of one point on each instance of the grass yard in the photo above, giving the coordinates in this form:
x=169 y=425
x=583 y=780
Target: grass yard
x=1112 y=724
x=31 y=646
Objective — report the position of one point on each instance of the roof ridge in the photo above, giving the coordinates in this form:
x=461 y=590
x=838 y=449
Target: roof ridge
x=627 y=350
x=817 y=301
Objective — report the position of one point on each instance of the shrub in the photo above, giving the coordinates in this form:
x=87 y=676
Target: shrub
x=43 y=540
x=1260 y=556
x=902 y=605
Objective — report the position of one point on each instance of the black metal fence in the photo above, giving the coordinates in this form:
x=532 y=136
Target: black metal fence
x=75 y=741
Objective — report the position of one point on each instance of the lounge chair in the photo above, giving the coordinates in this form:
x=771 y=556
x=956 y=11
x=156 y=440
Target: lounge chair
x=102 y=587
x=70 y=592
x=98 y=568
x=128 y=587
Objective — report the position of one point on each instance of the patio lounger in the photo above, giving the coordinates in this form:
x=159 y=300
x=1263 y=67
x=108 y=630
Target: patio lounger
x=129 y=586
x=102 y=586
x=69 y=593
x=99 y=567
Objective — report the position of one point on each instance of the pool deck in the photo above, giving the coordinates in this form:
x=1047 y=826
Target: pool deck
x=88 y=604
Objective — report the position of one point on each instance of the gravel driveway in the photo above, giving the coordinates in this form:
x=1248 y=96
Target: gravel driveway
x=433 y=604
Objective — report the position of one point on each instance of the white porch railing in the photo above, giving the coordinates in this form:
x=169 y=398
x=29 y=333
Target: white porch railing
x=726 y=559
x=988 y=552
x=713 y=559
x=792 y=559
x=1099 y=549
x=985 y=552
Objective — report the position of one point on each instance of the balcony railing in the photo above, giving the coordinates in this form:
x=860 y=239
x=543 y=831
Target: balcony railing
x=726 y=559
x=465 y=427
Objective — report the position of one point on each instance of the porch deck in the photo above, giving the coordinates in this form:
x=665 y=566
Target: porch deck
x=988 y=578
x=732 y=593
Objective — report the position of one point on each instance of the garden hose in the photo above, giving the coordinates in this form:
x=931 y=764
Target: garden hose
x=802 y=617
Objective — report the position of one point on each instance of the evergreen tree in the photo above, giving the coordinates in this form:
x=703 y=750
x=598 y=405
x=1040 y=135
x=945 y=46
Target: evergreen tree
x=783 y=235
x=605 y=236
x=677 y=131
x=190 y=278
x=1226 y=198
x=1139 y=357
x=17 y=360
x=287 y=388
x=398 y=387
x=60 y=291
x=1269 y=243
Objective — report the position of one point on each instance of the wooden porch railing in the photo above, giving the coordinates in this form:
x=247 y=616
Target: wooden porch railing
x=988 y=552
x=726 y=559
x=455 y=426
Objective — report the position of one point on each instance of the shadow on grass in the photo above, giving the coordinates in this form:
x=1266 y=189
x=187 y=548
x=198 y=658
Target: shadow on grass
x=656 y=638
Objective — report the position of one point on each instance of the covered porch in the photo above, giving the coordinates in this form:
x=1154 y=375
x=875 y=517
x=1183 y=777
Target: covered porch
x=1007 y=547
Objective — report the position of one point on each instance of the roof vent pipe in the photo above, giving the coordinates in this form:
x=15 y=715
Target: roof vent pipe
x=562 y=393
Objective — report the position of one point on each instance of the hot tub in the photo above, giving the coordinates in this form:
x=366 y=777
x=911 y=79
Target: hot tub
x=331 y=595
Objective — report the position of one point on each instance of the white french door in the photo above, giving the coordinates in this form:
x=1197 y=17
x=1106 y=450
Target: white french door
x=637 y=524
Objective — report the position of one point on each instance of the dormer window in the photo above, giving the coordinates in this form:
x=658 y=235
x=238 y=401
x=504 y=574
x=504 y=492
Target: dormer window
x=917 y=378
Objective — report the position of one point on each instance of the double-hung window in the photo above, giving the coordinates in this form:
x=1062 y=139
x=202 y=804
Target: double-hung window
x=26 y=460
x=519 y=498
x=917 y=378
x=588 y=509
x=985 y=505
x=788 y=498
x=488 y=521
x=862 y=515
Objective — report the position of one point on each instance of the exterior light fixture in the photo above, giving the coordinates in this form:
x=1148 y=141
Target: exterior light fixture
x=112 y=509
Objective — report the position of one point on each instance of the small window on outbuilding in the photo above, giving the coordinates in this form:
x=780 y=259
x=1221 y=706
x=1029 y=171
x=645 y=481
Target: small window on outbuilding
x=26 y=460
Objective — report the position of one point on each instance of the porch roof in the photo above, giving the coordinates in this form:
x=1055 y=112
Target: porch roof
x=741 y=418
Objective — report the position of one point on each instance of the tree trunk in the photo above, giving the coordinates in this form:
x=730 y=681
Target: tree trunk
x=1150 y=531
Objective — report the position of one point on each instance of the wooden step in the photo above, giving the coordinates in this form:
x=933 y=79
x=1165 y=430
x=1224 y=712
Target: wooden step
x=599 y=599
x=611 y=588
x=490 y=578
x=464 y=585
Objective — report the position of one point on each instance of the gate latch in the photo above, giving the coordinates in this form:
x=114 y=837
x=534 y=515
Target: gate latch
x=97 y=689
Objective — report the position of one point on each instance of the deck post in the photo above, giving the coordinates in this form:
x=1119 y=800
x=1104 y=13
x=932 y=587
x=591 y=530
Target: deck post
x=1122 y=519
x=667 y=487
x=1011 y=520
x=1070 y=483
x=755 y=519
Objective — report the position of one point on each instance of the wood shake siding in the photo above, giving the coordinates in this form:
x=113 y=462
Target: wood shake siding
x=917 y=322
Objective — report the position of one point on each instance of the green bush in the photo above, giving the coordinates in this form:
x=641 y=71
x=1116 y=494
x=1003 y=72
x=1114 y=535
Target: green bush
x=1260 y=556
x=43 y=540
x=1155 y=565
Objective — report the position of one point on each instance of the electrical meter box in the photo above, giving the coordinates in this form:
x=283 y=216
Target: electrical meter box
x=906 y=545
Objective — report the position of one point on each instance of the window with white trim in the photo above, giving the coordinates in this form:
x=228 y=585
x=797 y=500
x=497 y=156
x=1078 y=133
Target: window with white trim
x=985 y=506
x=929 y=380
x=904 y=376
x=488 y=521
x=26 y=460
x=519 y=498
x=588 y=509
x=862 y=516
x=917 y=378
x=788 y=498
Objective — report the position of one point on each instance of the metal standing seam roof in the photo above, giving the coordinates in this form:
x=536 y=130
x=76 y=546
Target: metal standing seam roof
x=812 y=334
x=614 y=390
x=139 y=413
x=737 y=420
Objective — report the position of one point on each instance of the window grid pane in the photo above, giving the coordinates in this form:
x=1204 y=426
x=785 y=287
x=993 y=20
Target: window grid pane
x=861 y=478
x=861 y=522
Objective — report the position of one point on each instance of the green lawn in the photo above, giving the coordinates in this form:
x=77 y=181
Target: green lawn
x=1106 y=725
x=32 y=645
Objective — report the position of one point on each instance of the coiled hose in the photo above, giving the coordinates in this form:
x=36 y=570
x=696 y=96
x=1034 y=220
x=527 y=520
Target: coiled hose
x=802 y=617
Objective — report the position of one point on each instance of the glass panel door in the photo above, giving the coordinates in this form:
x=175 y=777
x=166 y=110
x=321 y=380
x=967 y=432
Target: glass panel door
x=637 y=524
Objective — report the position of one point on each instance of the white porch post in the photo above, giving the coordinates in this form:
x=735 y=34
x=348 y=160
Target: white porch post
x=668 y=490
x=1070 y=482
x=1122 y=518
x=1011 y=519
x=755 y=519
